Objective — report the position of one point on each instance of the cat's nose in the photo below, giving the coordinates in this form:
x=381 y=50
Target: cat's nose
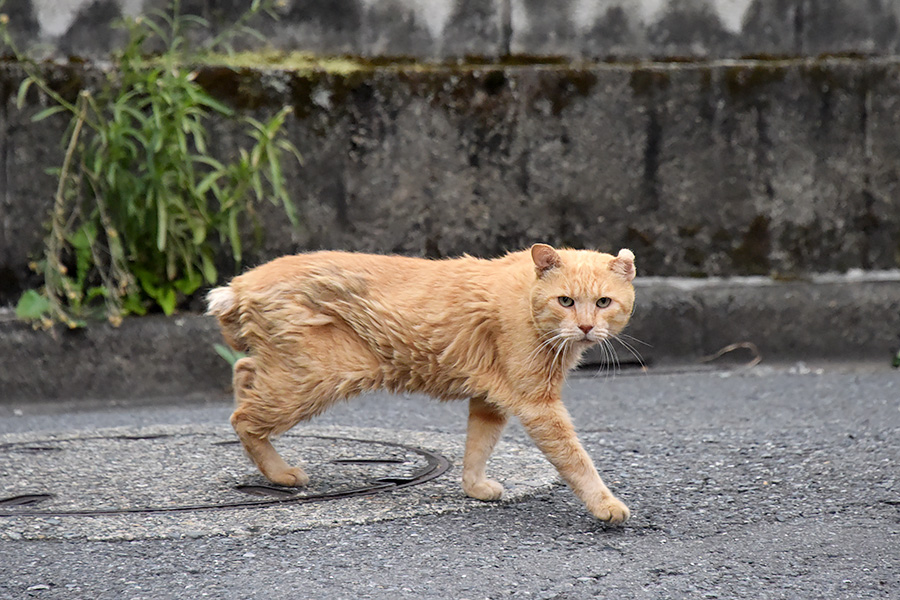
x=586 y=328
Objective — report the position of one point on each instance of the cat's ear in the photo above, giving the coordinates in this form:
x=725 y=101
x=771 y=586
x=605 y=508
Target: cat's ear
x=623 y=264
x=545 y=258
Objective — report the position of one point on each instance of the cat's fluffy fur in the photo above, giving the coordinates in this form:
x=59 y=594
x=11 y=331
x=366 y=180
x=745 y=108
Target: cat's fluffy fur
x=327 y=326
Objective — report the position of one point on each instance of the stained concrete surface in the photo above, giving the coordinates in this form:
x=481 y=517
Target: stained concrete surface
x=785 y=168
x=454 y=28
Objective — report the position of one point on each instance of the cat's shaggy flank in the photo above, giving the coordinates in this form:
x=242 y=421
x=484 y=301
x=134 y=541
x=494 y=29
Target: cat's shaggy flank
x=327 y=326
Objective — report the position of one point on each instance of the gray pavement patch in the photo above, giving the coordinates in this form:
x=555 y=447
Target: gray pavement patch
x=169 y=482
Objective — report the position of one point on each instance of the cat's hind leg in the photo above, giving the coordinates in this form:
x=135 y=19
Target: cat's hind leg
x=486 y=423
x=254 y=420
x=283 y=385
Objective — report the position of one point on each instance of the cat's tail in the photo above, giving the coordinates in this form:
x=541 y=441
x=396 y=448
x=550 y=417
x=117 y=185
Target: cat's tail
x=221 y=302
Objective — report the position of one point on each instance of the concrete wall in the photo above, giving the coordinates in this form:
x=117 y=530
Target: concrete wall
x=491 y=28
x=786 y=168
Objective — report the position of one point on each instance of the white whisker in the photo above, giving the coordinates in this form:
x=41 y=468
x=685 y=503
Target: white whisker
x=553 y=338
x=604 y=360
x=615 y=366
x=560 y=357
x=631 y=349
x=634 y=339
x=612 y=359
x=542 y=343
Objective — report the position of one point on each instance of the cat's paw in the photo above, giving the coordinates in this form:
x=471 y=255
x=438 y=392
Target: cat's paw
x=611 y=510
x=291 y=477
x=486 y=489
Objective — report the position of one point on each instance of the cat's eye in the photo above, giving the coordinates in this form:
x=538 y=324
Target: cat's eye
x=604 y=302
x=566 y=301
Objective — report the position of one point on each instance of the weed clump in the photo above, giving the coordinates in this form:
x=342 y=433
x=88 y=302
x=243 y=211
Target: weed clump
x=141 y=207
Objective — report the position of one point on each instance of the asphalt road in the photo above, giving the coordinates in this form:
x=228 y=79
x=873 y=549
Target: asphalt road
x=777 y=482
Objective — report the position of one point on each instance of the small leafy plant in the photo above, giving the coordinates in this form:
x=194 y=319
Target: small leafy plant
x=141 y=207
x=230 y=355
x=896 y=361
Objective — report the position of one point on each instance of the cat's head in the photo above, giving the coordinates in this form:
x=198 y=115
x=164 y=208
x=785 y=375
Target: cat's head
x=581 y=296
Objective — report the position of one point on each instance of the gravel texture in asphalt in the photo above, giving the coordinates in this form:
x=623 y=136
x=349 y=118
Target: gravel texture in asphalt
x=772 y=482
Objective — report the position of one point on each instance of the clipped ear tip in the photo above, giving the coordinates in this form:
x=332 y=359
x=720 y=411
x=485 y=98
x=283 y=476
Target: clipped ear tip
x=623 y=264
x=626 y=254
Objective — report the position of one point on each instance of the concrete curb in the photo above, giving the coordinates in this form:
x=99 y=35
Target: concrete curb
x=829 y=317
x=677 y=321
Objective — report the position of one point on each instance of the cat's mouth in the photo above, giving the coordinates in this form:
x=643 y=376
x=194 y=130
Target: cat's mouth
x=593 y=337
x=587 y=338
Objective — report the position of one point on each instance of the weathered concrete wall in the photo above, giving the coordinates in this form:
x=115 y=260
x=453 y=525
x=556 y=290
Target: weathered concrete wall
x=739 y=168
x=492 y=28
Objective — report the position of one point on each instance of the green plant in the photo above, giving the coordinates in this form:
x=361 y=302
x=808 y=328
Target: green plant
x=141 y=207
x=231 y=356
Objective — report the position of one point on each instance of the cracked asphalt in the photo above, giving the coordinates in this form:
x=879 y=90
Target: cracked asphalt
x=773 y=482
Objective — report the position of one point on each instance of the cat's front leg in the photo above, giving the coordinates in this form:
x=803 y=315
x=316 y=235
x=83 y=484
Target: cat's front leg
x=486 y=423
x=548 y=423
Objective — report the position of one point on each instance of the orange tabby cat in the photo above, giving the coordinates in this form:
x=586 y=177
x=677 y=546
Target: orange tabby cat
x=326 y=326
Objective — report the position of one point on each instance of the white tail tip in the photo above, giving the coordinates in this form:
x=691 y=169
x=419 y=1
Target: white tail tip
x=219 y=300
